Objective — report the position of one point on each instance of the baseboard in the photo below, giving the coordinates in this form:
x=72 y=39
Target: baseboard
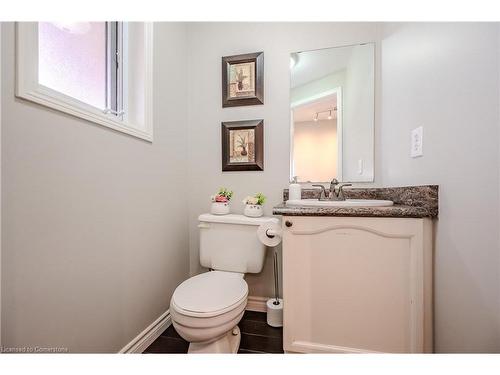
x=310 y=347
x=150 y=334
x=255 y=303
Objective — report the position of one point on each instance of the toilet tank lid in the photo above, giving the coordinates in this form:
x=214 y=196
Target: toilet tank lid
x=237 y=219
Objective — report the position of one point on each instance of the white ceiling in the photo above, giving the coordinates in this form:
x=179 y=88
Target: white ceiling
x=312 y=65
x=307 y=112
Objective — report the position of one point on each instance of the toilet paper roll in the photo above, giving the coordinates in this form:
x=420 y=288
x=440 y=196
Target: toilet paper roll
x=269 y=234
x=274 y=312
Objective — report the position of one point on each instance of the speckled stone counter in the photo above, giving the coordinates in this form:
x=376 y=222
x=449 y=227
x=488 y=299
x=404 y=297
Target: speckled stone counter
x=410 y=201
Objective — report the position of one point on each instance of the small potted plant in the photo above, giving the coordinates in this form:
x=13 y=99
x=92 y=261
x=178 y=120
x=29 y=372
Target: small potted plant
x=220 y=202
x=253 y=205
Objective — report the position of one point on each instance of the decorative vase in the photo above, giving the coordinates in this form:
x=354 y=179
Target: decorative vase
x=219 y=208
x=253 y=210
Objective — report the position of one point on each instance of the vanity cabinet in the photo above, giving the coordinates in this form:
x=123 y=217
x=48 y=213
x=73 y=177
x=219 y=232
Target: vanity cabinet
x=357 y=284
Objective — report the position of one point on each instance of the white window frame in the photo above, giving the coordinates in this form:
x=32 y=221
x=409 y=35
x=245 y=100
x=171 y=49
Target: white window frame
x=29 y=88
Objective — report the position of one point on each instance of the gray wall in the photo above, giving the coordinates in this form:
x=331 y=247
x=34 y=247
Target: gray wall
x=207 y=43
x=445 y=78
x=95 y=235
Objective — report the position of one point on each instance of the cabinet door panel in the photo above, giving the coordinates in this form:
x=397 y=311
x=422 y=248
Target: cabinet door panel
x=353 y=285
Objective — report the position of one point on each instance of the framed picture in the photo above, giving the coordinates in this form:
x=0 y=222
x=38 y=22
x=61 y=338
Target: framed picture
x=243 y=80
x=243 y=145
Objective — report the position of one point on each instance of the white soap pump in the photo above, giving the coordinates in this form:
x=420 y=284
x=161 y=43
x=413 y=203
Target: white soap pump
x=294 y=190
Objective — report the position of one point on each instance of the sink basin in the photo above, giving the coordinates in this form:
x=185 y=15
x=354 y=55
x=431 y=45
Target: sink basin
x=346 y=203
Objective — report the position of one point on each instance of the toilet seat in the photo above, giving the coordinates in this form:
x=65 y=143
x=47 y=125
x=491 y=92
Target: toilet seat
x=210 y=294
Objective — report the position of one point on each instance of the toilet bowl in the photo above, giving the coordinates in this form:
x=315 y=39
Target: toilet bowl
x=206 y=310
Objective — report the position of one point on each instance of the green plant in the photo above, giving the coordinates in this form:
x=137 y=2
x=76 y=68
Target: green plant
x=261 y=198
x=258 y=199
x=224 y=192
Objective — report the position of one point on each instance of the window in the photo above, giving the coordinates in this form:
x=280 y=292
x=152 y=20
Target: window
x=99 y=71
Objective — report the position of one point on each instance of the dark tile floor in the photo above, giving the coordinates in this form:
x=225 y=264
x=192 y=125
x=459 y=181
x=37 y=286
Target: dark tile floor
x=256 y=337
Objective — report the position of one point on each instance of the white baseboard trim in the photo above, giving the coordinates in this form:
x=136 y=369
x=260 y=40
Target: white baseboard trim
x=310 y=347
x=150 y=334
x=255 y=303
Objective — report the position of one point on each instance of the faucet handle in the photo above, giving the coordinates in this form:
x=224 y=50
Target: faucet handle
x=341 y=191
x=322 y=193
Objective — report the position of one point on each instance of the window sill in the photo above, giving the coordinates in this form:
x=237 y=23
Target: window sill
x=52 y=99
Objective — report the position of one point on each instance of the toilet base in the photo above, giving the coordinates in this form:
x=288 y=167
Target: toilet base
x=229 y=343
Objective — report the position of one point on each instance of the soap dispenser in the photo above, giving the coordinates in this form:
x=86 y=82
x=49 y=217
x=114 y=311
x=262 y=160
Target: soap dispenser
x=294 y=190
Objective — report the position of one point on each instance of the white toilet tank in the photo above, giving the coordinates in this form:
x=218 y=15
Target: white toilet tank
x=230 y=242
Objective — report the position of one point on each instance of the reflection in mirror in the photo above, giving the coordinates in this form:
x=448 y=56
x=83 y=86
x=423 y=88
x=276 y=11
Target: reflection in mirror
x=315 y=139
x=332 y=114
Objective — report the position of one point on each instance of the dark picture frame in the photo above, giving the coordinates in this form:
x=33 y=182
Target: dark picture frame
x=233 y=93
x=242 y=145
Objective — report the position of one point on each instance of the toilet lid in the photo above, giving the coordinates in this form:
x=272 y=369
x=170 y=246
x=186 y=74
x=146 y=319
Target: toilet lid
x=210 y=292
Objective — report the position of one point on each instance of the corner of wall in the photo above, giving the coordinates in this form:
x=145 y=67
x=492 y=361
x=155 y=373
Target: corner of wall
x=498 y=101
x=0 y=184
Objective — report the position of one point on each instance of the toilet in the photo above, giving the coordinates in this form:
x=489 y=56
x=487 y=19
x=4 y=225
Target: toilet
x=206 y=308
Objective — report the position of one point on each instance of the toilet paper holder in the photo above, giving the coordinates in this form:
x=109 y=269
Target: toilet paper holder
x=271 y=233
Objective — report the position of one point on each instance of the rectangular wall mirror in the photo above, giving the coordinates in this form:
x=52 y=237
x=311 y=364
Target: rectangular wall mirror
x=332 y=111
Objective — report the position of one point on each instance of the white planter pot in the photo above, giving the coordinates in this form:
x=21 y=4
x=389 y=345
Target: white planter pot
x=219 y=208
x=253 y=210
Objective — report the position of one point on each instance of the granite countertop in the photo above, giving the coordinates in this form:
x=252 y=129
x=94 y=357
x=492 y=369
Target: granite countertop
x=410 y=201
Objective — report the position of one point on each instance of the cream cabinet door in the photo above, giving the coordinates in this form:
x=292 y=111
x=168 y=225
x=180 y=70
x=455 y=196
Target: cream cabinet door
x=357 y=285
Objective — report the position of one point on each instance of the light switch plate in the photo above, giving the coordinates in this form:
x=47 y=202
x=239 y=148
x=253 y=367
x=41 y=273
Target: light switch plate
x=417 y=136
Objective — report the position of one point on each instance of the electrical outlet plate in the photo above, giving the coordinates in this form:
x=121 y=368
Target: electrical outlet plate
x=416 y=148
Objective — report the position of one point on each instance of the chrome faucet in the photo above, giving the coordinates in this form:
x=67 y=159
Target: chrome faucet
x=333 y=184
x=336 y=192
x=322 y=194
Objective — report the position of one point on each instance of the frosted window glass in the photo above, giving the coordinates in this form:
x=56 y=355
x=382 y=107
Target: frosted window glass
x=72 y=60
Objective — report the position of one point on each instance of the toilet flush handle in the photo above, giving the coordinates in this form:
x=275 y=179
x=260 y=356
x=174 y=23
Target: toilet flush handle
x=203 y=225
